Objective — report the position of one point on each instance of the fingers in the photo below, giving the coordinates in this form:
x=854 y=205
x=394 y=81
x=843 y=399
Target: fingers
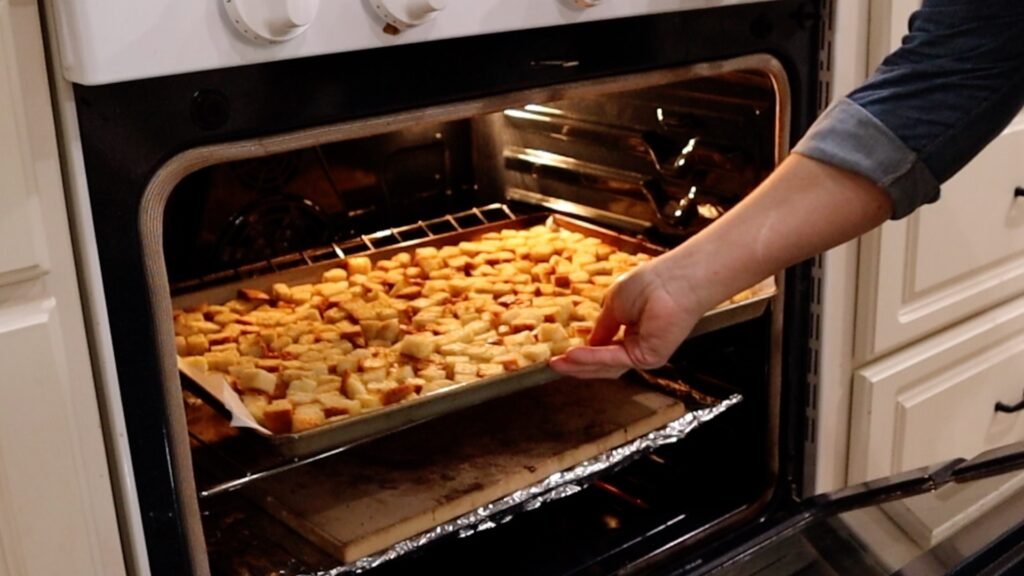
x=605 y=327
x=593 y=362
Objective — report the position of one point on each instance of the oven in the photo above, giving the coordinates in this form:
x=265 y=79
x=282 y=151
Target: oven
x=258 y=150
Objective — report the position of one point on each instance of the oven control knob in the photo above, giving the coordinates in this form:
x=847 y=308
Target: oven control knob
x=271 y=20
x=587 y=3
x=404 y=14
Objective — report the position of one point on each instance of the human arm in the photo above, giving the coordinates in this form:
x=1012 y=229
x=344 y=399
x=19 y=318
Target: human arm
x=804 y=207
x=930 y=107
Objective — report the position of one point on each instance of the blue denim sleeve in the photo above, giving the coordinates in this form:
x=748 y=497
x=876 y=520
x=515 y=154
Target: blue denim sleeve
x=954 y=84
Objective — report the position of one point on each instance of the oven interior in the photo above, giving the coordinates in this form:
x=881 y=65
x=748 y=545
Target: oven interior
x=658 y=162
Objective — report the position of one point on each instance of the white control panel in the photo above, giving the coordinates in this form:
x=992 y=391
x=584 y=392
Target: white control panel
x=105 y=41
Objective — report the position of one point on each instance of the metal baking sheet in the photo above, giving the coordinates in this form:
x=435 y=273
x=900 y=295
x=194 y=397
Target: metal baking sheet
x=386 y=420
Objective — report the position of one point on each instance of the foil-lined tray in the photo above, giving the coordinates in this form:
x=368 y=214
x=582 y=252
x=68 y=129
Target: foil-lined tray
x=552 y=488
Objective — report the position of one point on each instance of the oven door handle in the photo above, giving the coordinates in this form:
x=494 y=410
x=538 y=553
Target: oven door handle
x=1009 y=458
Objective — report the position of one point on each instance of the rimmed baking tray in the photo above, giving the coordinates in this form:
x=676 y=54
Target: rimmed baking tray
x=362 y=427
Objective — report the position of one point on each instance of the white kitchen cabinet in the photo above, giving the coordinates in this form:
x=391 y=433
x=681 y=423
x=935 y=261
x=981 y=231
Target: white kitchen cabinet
x=935 y=401
x=57 y=512
x=939 y=332
x=950 y=260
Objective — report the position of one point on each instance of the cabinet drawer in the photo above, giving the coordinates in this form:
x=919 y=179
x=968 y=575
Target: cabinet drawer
x=948 y=260
x=936 y=399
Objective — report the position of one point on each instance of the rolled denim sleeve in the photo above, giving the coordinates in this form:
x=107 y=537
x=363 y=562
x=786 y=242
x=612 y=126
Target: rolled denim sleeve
x=954 y=84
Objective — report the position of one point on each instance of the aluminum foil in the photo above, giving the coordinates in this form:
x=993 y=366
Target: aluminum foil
x=554 y=487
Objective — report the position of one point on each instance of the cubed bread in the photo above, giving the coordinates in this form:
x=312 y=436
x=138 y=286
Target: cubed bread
x=277 y=416
x=258 y=380
x=358 y=265
x=334 y=404
x=369 y=334
x=420 y=345
x=307 y=417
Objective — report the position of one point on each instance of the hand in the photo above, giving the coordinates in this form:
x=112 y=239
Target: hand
x=657 y=317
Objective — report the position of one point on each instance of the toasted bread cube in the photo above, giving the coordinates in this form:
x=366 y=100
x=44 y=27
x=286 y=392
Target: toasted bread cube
x=465 y=378
x=196 y=344
x=222 y=361
x=536 y=353
x=396 y=394
x=401 y=372
x=418 y=384
x=594 y=294
x=334 y=275
x=456 y=359
x=277 y=416
x=454 y=349
x=346 y=364
x=358 y=265
x=353 y=385
x=518 y=339
x=541 y=252
x=511 y=362
x=425 y=252
x=521 y=325
x=551 y=332
x=432 y=373
x=272 y=365
x=372 y=363
x=197 y=364
x=383 y=331
x=181 y=345
x=461 y=368
x=302 y=385
x=408 y=292
x=307 y=416
x=299 y=398
x=335 y=315
x=334 y=404
x=281 y=292
x=374 y=375
x=257 y=380
x=300 y=294
x=255 y=403
x=369 y=401
x=326 y=384
x=349 y=331
x=430 y=264
x=487 y=370
x=420 y=345
x=435 y=385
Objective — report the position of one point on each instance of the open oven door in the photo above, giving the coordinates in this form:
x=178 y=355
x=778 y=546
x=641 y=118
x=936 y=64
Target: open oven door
x=792 y=543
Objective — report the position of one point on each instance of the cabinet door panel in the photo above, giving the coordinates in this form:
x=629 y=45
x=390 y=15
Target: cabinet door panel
x=949 y=260
x=23 y=253
x=934 y=401
x=37 y=450
x=57 y=513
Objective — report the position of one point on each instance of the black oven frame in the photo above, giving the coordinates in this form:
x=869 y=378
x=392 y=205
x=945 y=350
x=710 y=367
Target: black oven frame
x=129 y=130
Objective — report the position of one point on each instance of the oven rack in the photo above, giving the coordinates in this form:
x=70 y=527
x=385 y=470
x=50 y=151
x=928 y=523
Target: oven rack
x=454 y=222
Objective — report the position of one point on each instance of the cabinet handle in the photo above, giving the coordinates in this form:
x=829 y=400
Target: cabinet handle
x=1010 y=409
x=1018 y=192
